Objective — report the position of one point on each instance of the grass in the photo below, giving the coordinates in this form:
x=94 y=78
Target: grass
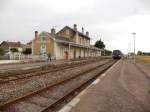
x=145 y=59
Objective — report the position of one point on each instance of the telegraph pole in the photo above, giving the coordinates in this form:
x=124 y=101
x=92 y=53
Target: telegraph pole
x=134 y=34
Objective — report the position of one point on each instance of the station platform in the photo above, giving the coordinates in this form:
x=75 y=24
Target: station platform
x=123 y=88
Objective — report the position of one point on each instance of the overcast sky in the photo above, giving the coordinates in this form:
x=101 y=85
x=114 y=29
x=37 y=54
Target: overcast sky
x=111 y=20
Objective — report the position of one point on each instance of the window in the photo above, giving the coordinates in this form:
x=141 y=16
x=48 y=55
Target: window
x=67 y=32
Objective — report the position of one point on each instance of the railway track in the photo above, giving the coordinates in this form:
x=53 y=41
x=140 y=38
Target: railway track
x=40 y=71
x=42 y=100
x=28 y=65
x=18 y=88
x=33 y=68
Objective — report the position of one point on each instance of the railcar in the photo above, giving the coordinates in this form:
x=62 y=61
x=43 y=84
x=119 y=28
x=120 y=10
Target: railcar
x=116 y=54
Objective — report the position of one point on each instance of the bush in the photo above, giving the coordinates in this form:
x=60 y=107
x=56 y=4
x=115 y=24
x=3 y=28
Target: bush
x=106 y=52
x=14 y=50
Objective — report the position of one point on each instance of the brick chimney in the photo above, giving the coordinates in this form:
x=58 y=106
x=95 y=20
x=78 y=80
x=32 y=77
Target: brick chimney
x=36 y=34
x=75 y=27
x=82 y=30
x=87 y=33
x=53 y=31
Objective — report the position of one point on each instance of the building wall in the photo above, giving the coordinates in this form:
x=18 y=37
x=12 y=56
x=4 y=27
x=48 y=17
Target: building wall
x=36 y=46
x=66 y=32
x=61 y=51
x=75 y=52
x=83 y=41
x=45 y=41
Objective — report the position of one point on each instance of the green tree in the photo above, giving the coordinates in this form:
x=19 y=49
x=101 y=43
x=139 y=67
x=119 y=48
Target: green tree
x=27 y=51
x=99 y=44
x=108 y=52
x=140 y=53
x=2 y=52
x=14 y=50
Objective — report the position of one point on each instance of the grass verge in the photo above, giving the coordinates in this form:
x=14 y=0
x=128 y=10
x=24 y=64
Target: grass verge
x=145 y=59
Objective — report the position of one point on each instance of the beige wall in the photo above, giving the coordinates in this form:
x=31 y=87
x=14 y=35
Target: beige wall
x=74 y=52
x=38 y=43
x=66 y=32
x=60 y=50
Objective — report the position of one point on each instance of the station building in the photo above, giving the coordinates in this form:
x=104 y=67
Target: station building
x=68 y=43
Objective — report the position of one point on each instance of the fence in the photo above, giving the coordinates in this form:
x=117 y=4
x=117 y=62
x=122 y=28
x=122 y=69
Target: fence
x=19 y=56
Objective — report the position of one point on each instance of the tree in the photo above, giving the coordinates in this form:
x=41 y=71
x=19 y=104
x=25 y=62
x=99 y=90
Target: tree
x=146 y=53
x=108 y=52
x=99 y=44
x=140 y=53
x=143 y=53
x=27 y=51
x=14 y=50
x=2 y=52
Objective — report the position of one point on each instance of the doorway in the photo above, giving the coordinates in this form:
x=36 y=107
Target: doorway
x=66 y=54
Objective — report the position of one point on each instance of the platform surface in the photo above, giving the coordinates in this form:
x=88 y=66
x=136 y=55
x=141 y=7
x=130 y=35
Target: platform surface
x=124 y=88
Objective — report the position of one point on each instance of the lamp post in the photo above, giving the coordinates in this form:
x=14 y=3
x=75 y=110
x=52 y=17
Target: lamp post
x=134 y=34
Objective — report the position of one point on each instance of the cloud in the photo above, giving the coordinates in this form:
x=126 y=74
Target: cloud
x=146 y=3
x=3 y=4
x=110 y=20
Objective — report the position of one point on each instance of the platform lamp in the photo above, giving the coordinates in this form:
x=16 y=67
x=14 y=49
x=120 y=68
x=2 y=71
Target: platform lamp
x=134 y=34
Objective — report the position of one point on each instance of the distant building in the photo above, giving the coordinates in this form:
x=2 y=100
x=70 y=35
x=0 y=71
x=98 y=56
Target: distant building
x=68 y=43
x=7 y=46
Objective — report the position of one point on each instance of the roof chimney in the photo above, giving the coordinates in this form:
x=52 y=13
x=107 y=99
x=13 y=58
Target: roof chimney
x=36 y=34
x=53 y=31
x=87 y=33
x=82 y=30
x=19 y=42
x=75 y=27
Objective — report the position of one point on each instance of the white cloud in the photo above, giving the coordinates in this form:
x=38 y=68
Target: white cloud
x=112 y=20
x=119 y=34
